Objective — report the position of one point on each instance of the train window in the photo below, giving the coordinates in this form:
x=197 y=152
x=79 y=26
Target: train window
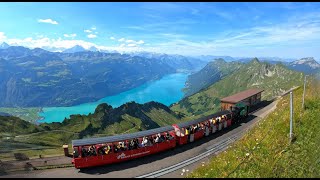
x=105 y=149
x=120 y=146
x=158 y=138
x=88 y=151
x=147 y=141
x=169 y=136
x=133 y=144
x=75 y=152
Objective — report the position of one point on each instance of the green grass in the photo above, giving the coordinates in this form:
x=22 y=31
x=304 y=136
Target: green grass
x=265 y=150
x=162 y=117
x=27 y=114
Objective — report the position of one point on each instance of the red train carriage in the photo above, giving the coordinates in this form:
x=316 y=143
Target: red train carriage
x=112 y=149
x=196 y=129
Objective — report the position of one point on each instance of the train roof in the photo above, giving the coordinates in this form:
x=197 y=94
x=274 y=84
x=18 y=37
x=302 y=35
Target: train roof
x=196 y=121
x=121 y=137
x=241 y=95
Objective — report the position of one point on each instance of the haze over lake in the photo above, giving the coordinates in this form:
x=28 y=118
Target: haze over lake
x=166 y=90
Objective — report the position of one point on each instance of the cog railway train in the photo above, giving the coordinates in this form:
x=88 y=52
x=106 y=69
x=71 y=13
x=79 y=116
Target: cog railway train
x=113 y=149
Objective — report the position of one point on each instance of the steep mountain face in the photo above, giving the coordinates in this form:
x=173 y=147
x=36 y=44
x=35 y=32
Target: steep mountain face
x=41 y=78
x=274 y=79
x=211 y=73
x=306 y=65
x=178 y=62
x=4 y=45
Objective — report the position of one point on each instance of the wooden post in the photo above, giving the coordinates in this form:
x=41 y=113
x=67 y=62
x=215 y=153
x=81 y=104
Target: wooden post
x=304 y=90
x=291 y=115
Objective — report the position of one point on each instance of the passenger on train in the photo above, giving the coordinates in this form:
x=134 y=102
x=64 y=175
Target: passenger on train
x=119 y=146
x=187 y=131
x=92 y=150
x=131 y=145
x=136 y=143
x=84 y=152
x=157 y=140
x=191 y=129
x=122 y=146
x=144 y=141
x=168 y=136
x=107 y=149
x=211 y=120
x=162 y=137
x=149 y=142
x=116 y=149
x=182 y=132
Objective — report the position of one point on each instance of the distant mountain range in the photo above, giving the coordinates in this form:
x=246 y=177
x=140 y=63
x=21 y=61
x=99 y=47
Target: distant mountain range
x=179 y=62
x=36 y=77
x=41 y=78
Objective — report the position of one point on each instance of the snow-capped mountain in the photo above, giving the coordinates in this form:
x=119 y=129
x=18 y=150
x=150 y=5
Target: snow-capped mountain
x=4 y=45
x=93 y=48
x=307 y=65
x=74 y=49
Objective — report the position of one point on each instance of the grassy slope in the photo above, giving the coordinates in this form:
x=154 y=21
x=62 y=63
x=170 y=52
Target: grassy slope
x=10 y=126
x=267 y=144
x=211 y=73
x=274 y=79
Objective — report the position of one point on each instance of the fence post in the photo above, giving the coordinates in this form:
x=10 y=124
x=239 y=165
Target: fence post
x=304 y=90
x=291 y=114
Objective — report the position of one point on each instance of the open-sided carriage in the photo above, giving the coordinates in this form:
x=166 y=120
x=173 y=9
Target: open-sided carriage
x=113 y=149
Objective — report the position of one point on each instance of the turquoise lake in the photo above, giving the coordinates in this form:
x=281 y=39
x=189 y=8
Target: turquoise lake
x=166 y=90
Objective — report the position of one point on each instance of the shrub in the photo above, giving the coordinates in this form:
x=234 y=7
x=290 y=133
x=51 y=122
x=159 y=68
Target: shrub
x=21 y=156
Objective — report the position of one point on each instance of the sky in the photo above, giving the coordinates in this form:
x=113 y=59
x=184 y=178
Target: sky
x=238 y=29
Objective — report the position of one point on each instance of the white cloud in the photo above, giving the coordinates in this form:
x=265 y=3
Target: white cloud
x=70 y=35
x=92 y=36
x=50 y=21
x=122 y=39
x=129 y=41
x=88 y=31
x=140 y=42
x=122 y=45
x=2 y=36
x=134 y=42
x=112 y=38
x=93 y=28
x=131 y=45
